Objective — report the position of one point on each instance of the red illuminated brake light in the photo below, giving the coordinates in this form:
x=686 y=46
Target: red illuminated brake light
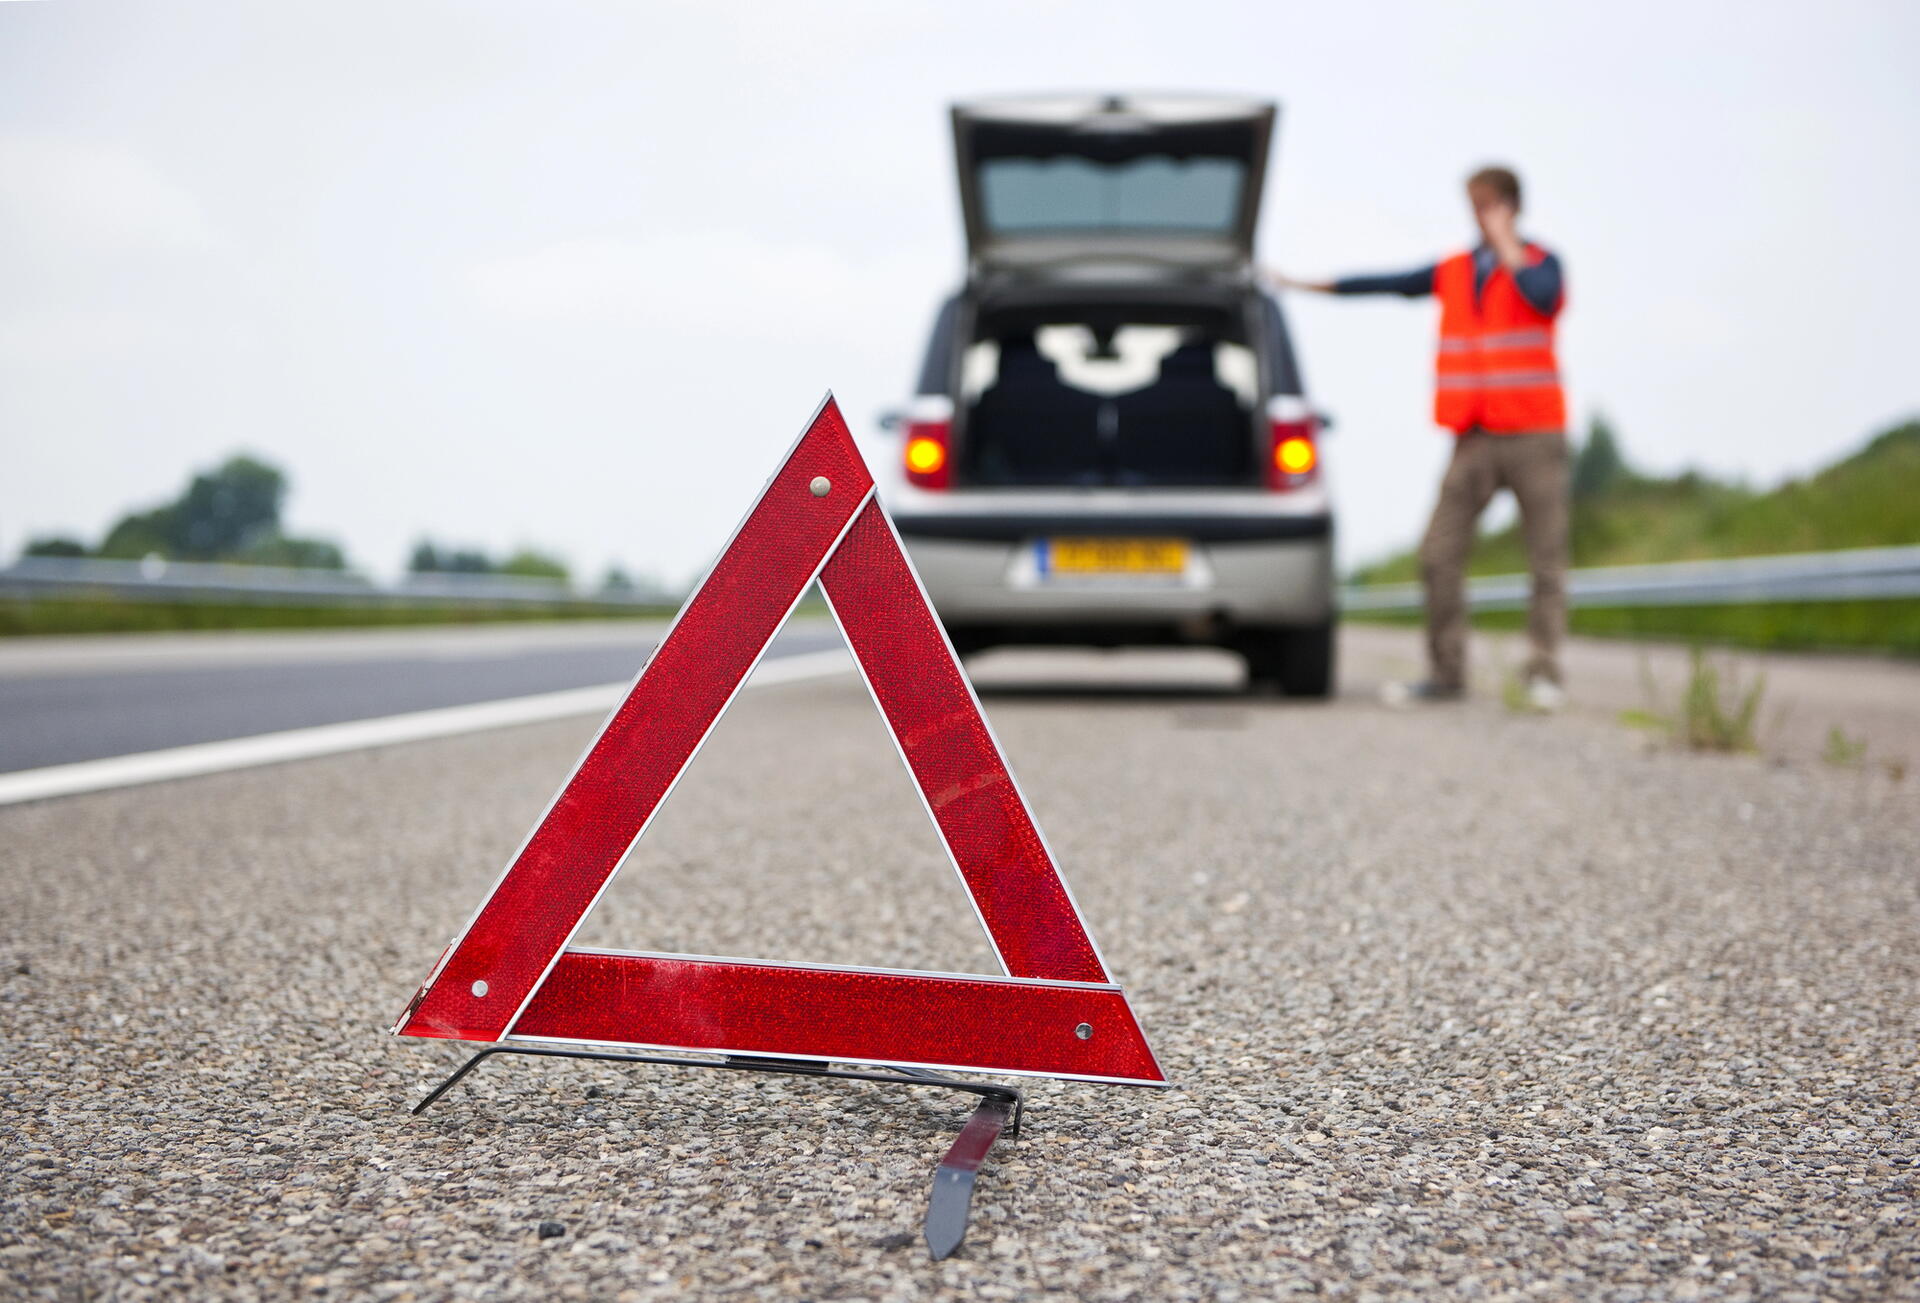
x=1293 y=453
x=929 y=454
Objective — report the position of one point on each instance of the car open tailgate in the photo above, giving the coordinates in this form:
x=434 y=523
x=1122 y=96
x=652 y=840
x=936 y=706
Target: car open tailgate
x=1170 y=179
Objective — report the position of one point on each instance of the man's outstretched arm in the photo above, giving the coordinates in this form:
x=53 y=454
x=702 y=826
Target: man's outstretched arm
x=1409 y=284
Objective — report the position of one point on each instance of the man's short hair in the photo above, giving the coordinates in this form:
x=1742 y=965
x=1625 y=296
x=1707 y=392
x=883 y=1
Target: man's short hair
x=1503 y=181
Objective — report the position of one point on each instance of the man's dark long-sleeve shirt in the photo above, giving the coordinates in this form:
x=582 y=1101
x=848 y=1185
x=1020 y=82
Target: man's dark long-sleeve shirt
x=1539 y=284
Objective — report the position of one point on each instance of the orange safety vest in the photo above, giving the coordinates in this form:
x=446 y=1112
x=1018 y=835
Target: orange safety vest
x=1495 y=370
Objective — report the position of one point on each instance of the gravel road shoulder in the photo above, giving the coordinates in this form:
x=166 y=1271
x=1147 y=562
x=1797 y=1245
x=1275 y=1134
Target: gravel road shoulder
x=1458 y=1003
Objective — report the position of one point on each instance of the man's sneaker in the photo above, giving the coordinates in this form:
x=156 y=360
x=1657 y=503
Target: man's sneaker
x=1394 y=693
x=1544 y=695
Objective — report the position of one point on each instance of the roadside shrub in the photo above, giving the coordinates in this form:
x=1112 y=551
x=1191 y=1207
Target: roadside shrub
x=1715 y=715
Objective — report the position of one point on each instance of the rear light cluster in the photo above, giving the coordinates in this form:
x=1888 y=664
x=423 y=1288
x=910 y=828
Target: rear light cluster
x=1293 y=455
x=928 y=448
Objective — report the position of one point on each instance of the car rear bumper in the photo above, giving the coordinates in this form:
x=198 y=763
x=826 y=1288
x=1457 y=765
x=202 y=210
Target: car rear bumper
x=1244 y=572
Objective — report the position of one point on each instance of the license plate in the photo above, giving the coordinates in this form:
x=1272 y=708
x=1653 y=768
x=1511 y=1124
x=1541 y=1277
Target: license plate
x=1113 y=556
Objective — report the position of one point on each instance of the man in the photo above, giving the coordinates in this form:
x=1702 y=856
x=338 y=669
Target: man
x=1497 y=387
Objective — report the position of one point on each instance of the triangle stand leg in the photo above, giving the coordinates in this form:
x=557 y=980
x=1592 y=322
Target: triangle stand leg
x=952 y=1196
x=1000 y=1112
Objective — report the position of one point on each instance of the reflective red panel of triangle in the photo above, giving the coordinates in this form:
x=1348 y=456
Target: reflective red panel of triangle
x=511 y=975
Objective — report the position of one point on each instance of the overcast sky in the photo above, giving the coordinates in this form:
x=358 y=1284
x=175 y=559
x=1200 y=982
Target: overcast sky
x=571 y=275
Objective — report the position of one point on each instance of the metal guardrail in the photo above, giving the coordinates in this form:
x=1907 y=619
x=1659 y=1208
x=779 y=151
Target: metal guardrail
x=155 y=580
x=1873 y=573
x=1855 y=574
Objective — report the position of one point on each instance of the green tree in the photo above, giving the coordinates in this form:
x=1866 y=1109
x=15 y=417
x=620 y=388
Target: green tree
x=54 y=546
x=1599 y=466
x=429 y=558
x=231 y=513
x=236 y=505
x=221 y=512
x=534 y=565
x=301 y=553
x=140 y=533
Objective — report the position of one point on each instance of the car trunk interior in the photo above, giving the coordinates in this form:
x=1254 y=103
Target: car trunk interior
x=1108 y=395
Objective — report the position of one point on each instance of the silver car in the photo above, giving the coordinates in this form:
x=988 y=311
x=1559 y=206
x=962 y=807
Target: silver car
x=1109 y=443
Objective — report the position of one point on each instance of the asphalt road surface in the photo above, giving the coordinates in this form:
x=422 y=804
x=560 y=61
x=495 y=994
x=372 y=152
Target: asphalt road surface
x=1457 y=1002
x=65 y=700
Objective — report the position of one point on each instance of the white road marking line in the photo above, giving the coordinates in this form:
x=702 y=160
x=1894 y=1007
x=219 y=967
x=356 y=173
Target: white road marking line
x=355 y=735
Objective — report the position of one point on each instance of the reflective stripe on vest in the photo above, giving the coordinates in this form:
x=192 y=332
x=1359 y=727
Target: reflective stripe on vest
x=1498 y=380
x=1495 y=368
x=1508 y=339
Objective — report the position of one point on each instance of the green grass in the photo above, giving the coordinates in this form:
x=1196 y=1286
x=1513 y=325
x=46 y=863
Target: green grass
x=109 y=615
x=1869 y=499
x=1843 y=751
x=1892 y=625
x=1889 y=625
x=1716 y=713
x=65 y=615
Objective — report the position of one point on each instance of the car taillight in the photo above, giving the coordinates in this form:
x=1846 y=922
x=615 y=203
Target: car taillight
x=1293 y=456
x=929 y=454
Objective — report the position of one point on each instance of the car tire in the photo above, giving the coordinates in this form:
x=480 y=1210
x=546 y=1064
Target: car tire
x=1296 y=661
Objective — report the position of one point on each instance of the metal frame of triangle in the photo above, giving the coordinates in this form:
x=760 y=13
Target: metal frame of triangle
x=512 y=976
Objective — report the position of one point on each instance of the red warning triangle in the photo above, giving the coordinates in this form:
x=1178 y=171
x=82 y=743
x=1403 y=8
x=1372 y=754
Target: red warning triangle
x=511 y=976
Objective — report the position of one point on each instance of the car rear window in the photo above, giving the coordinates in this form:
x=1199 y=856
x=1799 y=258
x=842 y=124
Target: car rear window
x=1043 y=195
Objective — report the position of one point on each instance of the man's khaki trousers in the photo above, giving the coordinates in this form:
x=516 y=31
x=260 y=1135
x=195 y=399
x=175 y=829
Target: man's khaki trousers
x=1534 y=466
